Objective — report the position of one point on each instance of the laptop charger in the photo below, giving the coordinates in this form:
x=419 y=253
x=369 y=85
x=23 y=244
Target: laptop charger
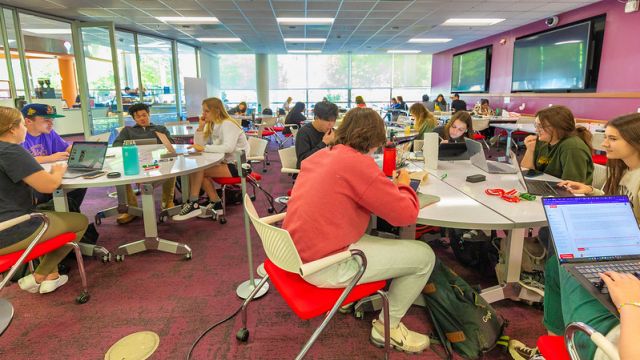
x=476 y=178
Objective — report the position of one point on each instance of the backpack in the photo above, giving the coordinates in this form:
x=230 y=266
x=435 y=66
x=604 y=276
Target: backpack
x=463 y=320
x=479 y=252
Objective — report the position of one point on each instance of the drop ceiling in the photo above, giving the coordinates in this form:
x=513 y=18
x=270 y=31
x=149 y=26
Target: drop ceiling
x=366 y=26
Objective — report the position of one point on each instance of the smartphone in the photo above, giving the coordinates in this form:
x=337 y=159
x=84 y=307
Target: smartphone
x=531 y=173
x=96 y=175
x=415 y=184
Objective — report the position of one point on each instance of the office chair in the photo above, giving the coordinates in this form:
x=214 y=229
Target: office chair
x=554 y=348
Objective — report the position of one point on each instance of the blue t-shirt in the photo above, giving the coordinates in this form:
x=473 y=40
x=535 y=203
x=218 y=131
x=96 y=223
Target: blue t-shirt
x=44 y=144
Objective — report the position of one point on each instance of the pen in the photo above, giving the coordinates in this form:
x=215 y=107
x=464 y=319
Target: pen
x=444 y=176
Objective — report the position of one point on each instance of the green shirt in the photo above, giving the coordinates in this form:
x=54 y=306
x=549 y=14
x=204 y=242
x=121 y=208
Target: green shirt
x=569 y=159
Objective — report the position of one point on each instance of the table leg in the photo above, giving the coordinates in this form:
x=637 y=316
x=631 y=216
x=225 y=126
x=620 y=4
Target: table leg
x=151 y=240
x=509 y=133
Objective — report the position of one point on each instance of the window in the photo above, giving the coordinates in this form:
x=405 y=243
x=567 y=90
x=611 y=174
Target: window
x=329 y=71
x=238 y=79
x=187 y=67
x=127 y=66
x=156 y=70
x=15 y=62
x=373 y=71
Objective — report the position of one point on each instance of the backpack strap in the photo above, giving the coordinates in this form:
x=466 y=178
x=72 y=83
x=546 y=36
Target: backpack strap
x=441 y=337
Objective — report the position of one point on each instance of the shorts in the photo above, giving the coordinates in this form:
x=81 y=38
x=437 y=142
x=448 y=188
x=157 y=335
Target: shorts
x=233 y=169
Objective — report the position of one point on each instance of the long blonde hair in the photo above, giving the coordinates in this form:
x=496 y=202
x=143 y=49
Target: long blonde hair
x=218 y=113
x=423 y=117
x=10 y=118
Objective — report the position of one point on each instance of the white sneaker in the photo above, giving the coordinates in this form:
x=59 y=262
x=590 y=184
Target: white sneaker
x=401 y=338
x=29 y=284
x=207 y=211
x=48 y=286
x=189 y=210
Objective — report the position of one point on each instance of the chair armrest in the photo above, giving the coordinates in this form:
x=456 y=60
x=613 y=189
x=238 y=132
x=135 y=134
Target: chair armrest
x=600 y=340
x=317 y=265
x=15 y=221
x=273 y=218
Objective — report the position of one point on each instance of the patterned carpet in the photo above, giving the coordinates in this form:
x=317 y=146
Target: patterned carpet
x=178 y=299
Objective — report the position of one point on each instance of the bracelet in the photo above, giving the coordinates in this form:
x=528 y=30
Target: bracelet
x=636 y=304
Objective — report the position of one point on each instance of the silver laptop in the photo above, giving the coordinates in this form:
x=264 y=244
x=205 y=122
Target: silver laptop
x=594 y=234
x=478 y=159
x=151 y=141
x=85 y=159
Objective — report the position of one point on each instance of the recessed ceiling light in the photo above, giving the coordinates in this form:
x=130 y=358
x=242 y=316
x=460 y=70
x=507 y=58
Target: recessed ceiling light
x=304 y=21
x=189 y=19
x=49 y=31
x=220 y=40
x=403 y=51
x=305 y=40
x=471 y=22
x=304 y=51
x=429 y=40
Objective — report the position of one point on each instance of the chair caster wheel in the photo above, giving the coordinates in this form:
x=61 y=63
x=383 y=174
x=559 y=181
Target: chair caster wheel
x=187 y=256
x=83 y=297
x=252 y=197
x=268 y=162
x=119 y=258
x=359 y=314
x=271 y=210
x=264 y=170
x=243 y=335
x=97 y=219
x=222 y=220
x=162 y=218
x=106 y=258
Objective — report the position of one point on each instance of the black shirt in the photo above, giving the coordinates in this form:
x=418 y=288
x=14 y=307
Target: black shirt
x=15 y=195
x=138 y=132
x=458 y=105
x=308 y=141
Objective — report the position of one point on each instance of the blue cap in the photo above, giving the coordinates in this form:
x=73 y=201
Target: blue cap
x=44 y=110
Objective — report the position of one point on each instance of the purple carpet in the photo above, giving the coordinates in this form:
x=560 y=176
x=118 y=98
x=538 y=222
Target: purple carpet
x=179 y=299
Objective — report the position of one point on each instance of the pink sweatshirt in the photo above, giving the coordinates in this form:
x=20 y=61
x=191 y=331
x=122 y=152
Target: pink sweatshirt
x=335 y=194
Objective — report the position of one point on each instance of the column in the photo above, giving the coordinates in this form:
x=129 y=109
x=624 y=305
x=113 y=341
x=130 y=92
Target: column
x=67 y=68
x=262 y=79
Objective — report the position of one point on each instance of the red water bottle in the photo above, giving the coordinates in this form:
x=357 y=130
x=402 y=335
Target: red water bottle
x=389 y=159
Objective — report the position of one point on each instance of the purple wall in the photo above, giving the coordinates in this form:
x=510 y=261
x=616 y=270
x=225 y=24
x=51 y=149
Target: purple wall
x=619 y=66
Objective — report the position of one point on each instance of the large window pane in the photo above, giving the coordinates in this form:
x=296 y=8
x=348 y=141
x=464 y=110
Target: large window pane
x=15 y=61
x=411 y=70
x=278 y=97
x=232 y=97
x=374 y=98
x=412 y=95
x=336 y=96
x=127 y=66
x=156 y=68
x=287 y=72
x=370 y=71
x=238 y=72
x=187 y=67
x=328 y=71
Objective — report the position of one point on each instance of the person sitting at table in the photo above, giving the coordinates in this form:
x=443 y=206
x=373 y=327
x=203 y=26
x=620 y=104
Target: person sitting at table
x=457 y=128
x=401 y=104
x=144 y=129
x=440 y=103
x=457 y=104
x=560 y=148
x=295 y=116
x=241 y=109
x=344 y=176
x=20 y=173
x=429 y=105
x=360 y=102
x=483 y=108
x=217 y=132
x=424 y=120
x=317 y=134
x=287 y=104
x=394 y=104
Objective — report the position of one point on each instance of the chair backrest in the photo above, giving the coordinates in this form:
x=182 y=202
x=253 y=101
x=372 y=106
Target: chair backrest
x=257 y=146
x=277 y=243
x=480 y=124
x=288 y=157
x=269 y=121
x=599 y=176
x=417 y=145
x=294 y=130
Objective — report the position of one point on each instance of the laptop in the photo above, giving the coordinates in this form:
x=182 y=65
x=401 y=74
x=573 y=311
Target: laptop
x=171 y=150
x=543 y=187
x=594 y=234
x=452 y=152
x=479 y=160
x=85 y=159
x=145 y=141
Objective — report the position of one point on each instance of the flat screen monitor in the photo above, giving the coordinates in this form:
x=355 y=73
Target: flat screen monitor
x=471 y=70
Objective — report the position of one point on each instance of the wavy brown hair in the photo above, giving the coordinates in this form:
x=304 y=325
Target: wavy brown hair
x=362 y=129
x=219 y=114
x=10 y=118
x=560 y=119
x=423 y=116
x=629 y=128
x=463 y=116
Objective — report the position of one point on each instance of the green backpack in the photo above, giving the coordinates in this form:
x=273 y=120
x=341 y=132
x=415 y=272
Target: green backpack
x=463 y=320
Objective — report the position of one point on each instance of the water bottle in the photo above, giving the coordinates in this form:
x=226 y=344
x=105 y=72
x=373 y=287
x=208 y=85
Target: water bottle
x=259 y=108
x=389 y=159
x=130 y=158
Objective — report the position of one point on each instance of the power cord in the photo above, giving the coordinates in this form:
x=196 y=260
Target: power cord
x=195 y=343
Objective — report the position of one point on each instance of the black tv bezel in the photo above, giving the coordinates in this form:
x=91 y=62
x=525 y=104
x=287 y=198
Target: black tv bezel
x=487 y=73
x=594 y=53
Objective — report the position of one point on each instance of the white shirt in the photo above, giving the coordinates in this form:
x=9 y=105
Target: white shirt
x=226 y=138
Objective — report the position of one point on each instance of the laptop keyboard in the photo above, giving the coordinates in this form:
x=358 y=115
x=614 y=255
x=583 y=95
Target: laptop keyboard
x=591 y=272
x=540 y=188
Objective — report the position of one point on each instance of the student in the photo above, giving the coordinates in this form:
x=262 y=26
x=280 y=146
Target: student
x=345 y=178
x=424 y=120
x=241 y=109
x=360 y=102
x=295 y=116
x=440 y=103
x=394 y=104
x=565 y=300
x=560 y=148
x=217 y=132
x=484 y=109
x=318 y=134
x=144 y=129
x=401 y=104
x=287 y=104
x=457 y=104
x=429 y=105
x=457 y=128
x=20 y=173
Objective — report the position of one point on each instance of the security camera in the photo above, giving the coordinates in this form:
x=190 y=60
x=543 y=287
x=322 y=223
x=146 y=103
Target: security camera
x=551 y=21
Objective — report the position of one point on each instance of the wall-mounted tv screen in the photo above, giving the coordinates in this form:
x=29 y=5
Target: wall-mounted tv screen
x=471 y=71
x=564 y=59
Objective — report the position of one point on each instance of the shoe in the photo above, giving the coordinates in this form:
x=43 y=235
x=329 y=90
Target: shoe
x=48 y=286
x=520 y=351
x=189 y=210
x=125 y=218
x=207 y=211
x=475 y=235
x=217 y=206
x=29 y=284
x=401 y=338
x=347 y=309
x=168 y=205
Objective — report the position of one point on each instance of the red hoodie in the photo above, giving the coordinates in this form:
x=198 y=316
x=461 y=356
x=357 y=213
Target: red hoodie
x=334 y=196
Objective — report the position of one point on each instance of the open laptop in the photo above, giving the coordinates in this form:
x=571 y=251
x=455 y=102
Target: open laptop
x=594 y=234
x=85 y=159
x=145 y=141
x=452 y=151
x=479 y=160
x=171 y=150
x=542 y=187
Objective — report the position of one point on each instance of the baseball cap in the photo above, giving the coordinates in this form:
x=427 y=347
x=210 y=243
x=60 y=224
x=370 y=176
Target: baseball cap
x=44 y=110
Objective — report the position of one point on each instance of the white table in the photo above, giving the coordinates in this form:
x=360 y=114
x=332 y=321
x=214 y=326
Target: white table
x=179 y=166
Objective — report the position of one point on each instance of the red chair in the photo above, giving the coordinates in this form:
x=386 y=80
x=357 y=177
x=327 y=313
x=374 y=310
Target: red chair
x=252 y=179
x=284 y=267
x=13 y=260
x=562 y=348
x=599 y=159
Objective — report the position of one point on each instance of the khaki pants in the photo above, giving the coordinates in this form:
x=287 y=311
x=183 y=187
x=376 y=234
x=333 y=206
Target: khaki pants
x=59 y=223
x=408 y=262
x=168 y=188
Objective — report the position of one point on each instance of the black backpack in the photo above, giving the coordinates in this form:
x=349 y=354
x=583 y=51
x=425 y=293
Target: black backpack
x=479 y=252
x=463 y=320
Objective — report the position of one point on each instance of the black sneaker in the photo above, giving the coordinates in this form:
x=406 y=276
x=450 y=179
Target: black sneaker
x=217 y=207
x=189 y=210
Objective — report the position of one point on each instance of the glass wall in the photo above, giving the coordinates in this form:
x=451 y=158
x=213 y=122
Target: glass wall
x=15 y=59
x=238 y=80
x=156 y=68
x=187 y=67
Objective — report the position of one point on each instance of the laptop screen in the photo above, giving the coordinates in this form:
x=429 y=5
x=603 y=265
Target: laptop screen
x=87 y=155
x=593 y=228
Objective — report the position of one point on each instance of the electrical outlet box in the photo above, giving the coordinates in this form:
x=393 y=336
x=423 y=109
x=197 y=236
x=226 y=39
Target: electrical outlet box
x=631 y=6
